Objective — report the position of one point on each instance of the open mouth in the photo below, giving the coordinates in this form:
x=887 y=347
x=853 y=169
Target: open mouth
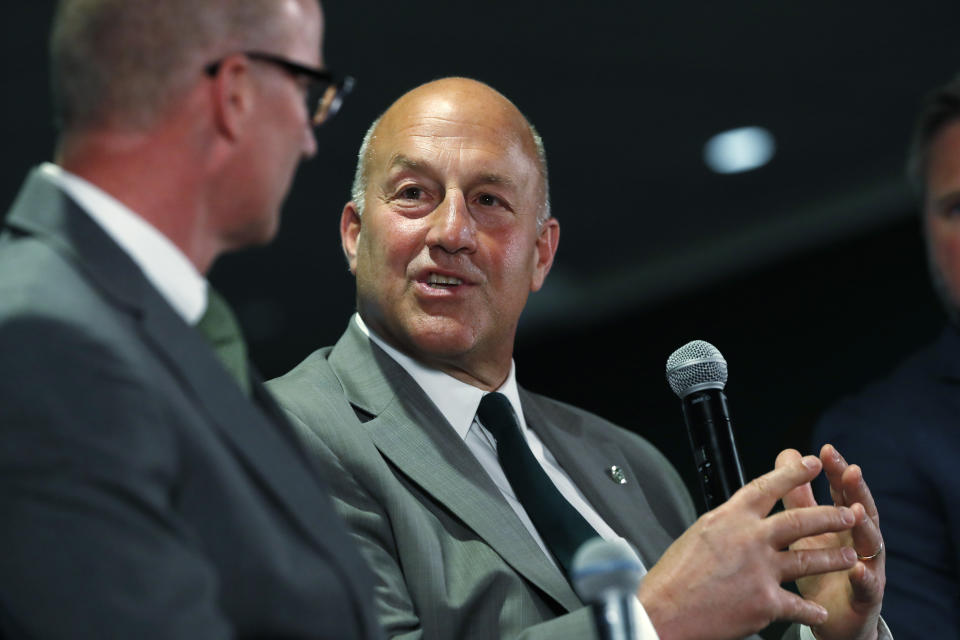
x=443 y=282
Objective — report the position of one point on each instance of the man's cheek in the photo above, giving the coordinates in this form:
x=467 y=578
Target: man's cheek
x=948 y=257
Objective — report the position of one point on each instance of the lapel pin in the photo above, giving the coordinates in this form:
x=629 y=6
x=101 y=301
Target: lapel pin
x=617 y=475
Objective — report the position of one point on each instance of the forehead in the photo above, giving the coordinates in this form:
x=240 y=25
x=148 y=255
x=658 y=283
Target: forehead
x=455 y=133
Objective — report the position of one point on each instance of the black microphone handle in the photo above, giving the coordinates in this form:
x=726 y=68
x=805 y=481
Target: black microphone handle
x=613 y=617
x=714 y=450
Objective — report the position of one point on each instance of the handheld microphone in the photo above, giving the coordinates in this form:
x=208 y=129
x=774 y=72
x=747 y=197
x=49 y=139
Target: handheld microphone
x=697 y=373
x=606 y=574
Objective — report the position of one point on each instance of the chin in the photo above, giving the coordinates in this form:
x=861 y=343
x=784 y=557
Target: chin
x=256 y=233
x=442 y=336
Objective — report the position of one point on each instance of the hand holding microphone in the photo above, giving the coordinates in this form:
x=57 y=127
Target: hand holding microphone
x=722 y=578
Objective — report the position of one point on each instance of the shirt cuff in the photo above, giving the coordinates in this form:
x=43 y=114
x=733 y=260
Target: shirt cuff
x=645 y=630
x=883 y=632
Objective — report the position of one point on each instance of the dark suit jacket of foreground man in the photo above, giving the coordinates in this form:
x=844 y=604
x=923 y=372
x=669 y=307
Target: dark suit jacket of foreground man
x=148 y=495
x=451 y=558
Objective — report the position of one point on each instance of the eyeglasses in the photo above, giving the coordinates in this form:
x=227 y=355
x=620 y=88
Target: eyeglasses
x=324 y=93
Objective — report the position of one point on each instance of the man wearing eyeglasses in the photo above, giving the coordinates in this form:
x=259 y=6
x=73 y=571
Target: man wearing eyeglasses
x=144 y=491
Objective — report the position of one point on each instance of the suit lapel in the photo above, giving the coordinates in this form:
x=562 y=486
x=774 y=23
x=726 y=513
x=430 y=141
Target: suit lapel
x=409 y=430
x=44 y=211
x=623 y=506
x=265 y=443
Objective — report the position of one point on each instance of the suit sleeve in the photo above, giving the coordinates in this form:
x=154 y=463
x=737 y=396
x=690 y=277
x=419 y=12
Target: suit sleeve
x=91 y=545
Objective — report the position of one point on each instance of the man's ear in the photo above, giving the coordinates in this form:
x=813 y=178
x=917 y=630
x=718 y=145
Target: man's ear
x=233 y=96
x=350 y=234
x=547 y=242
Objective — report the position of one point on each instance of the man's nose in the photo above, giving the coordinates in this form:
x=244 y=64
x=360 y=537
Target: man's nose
x=452 y=227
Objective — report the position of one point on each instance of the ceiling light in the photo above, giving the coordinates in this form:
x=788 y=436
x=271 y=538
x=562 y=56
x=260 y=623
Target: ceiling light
x=739 y=150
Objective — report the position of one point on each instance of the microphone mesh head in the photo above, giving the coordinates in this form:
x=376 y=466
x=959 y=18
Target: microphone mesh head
x=696 y=366
x=600 y=566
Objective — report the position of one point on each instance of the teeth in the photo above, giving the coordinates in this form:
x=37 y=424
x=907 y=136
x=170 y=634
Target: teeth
x=435 y=278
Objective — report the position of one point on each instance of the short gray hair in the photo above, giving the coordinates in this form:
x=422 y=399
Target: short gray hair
x=358 y=191
x=123 y=62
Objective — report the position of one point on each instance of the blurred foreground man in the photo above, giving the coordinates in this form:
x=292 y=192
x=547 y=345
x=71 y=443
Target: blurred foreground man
x=448 y=232
x=911 y=420
x=143 y=494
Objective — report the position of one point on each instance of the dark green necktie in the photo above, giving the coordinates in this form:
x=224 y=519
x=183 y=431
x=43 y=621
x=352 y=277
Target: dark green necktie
x=560 y=525
x=221 y=329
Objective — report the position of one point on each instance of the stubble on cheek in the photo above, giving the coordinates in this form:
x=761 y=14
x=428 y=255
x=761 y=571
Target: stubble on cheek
x=943 y=255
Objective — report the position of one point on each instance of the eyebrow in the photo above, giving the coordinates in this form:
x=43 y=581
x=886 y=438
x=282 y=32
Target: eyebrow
x=496 y=178
x=406 y=162
x=947 y=199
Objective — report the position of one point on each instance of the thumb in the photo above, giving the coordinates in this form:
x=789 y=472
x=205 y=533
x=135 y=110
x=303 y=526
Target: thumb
x=797 y=497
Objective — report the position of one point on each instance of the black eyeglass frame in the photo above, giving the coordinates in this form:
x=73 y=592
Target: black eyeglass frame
x=330 y=97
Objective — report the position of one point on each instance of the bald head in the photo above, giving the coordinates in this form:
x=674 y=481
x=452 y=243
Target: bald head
x=453 y=98
x=456 y=233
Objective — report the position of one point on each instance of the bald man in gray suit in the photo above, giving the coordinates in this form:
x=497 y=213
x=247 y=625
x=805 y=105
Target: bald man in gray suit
x=448 y=232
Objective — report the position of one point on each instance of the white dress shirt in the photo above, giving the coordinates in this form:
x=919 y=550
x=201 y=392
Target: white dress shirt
x=162 y=262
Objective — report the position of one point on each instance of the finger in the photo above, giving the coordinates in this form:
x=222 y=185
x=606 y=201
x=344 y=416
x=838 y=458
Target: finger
x=801 y=496
x=867 y=539
x=789 y=526
x=855 y=489
x=836 y=496
x=760 y=494
x=811 y=562
x=796 y=609
x=785 y=457
x=866 y=581
x=833 y=467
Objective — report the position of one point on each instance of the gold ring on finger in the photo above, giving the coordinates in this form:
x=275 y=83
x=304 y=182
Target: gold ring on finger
x=871 y=556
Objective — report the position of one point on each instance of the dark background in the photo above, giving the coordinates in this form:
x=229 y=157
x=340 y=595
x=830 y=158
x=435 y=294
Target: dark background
x=808 y=274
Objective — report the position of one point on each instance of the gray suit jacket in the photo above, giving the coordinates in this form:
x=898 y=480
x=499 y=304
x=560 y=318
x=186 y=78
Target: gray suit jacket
x=142 y=495
x=452 y=560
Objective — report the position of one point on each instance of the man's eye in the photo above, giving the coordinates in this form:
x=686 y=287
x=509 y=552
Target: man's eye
x=410 y=193
x=488 y=200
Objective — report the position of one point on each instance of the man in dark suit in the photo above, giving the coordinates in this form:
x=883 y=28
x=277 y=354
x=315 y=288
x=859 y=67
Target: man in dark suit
x=143 y=494
x=445 y=472
x=911 y=420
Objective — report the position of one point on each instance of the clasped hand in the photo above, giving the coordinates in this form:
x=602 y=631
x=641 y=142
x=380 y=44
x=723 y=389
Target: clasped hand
x=722 y=578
